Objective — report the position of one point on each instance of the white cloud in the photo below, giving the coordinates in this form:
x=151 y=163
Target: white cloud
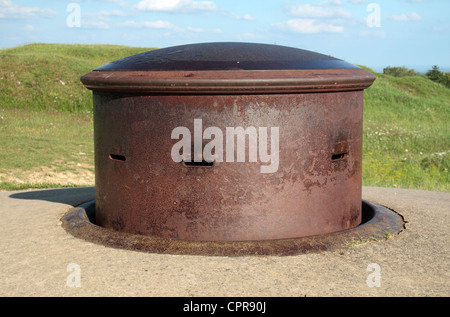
x=373 y=33
x=93 y=24
x=116 y=13
x=328 y=2
x=10 y=10
x=317 y=11
x=28 y=28
x=100 y=20
x=159 y=24
x=357 y=1
x=410 y=16
x=121 y=3
x=195 y=30
x=184 y=6
x=248 y=17
x=247 y=36
x=162 y=25
x=325 y=16
x=308 y=26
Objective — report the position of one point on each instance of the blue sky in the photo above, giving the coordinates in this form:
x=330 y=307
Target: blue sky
x=412 y=33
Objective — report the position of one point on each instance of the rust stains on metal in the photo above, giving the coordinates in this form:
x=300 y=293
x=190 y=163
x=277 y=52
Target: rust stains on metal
x=314 y=101
x=228 y=82
x=377 y=222
x=228 y=68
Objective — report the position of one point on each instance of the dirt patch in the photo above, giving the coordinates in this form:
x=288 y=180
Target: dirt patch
x=79 y=174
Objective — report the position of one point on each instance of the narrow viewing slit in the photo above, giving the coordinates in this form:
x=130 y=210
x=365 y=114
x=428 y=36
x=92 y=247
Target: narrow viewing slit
x=198 y=164
x=339 y=156
x=117 y=157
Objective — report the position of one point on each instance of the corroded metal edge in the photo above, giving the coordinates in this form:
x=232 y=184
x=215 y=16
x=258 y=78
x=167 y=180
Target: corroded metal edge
x=228 y=82
x=377 y=222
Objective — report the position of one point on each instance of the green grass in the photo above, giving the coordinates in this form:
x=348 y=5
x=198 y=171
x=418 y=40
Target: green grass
x=406 y=133
x=46 y=77
x=40 y=147
x=38 y=185
x=46 y=136
x=357 y=242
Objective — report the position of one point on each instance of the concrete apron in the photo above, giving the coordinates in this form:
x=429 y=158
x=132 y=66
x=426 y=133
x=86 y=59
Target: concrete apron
x=40 y=258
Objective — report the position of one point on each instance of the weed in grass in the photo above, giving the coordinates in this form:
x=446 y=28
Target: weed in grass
x=355 y=243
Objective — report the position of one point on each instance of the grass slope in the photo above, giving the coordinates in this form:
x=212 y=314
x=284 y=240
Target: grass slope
x=406 y=133
x=47 y=76
x=46 y=121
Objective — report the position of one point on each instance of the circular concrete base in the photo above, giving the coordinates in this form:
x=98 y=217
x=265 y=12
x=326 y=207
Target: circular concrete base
x=38 y=256
x=378 y=223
